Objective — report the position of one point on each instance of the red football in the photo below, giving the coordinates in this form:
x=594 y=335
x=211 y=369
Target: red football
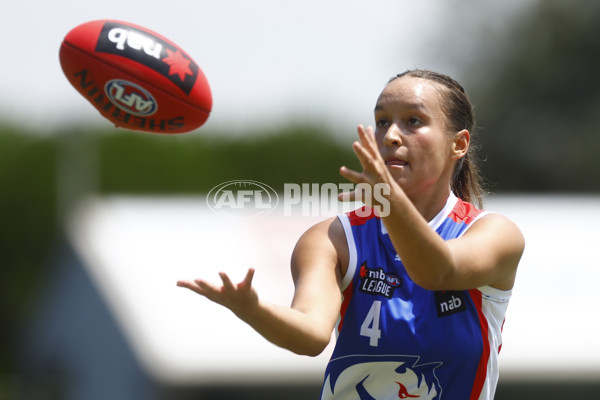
x=135 y=77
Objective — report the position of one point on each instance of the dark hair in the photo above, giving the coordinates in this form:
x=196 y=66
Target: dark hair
x=466 y=181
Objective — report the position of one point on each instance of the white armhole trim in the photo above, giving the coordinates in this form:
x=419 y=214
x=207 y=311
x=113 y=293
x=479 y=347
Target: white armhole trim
x=496 y=295
x=477 y=218
x=444 y=212
x=347 y=278
x=490 y=293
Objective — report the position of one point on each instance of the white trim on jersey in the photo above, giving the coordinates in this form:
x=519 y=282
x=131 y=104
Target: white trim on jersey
x=494 y=303
x=440 y=217
x=352 y=255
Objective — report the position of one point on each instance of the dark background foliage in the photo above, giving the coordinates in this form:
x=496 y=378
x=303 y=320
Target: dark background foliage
x=537 y=98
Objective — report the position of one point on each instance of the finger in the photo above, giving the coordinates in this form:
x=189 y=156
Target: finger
x=364 y=155
x=247 y=282
x=347 y=196
x=351 y=175
x=185 y=284
x=368 y=143
x=361 y=193
x=367 y=139
x=207 y=287
x=226 y=281
x=193 y=286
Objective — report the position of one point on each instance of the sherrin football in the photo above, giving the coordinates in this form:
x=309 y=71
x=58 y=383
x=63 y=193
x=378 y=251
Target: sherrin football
x=136 y=78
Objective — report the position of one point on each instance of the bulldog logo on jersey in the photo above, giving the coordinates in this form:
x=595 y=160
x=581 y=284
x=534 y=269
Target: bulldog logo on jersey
x=377 y=281
x=391 y=377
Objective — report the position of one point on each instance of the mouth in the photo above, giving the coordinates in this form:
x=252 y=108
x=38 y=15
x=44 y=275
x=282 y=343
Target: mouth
x=395 y=163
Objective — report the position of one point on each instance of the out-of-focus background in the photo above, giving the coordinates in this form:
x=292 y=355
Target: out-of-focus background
x=97 y=223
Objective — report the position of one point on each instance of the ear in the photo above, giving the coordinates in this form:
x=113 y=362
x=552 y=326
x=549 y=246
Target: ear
x=460 y=144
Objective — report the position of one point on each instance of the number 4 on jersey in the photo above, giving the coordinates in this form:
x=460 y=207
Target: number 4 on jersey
x=370 y=326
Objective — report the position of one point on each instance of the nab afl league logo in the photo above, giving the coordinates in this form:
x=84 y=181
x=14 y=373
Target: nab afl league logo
x=242 y=199
x=131 y=98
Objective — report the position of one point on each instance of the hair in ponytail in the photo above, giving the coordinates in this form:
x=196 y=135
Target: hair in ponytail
x=466 y=182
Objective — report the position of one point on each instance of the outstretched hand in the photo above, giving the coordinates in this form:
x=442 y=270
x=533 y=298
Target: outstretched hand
x=375 y=177
x=240 y=298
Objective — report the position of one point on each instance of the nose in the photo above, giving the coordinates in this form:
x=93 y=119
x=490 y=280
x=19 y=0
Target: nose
x=392 y=136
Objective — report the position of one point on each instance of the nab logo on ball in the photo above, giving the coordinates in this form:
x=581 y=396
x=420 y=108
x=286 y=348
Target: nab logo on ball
x=242 y=199
x=130 y=97
x=149 y=50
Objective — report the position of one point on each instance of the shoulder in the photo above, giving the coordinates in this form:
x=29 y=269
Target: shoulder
x=499 y=227
x=329 y=232
x=484 y=220
x=326 y=240
x=499 y=223
x=330 y=229
x=503 y=240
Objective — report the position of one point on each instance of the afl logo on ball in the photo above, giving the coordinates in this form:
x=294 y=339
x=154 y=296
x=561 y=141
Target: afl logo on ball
x=130 y=97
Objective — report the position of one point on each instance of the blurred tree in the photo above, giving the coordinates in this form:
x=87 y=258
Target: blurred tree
x=27 y=223
x=148 y=164
x=536 y=82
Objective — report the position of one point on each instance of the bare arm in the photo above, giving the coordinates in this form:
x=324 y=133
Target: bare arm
x=306 y=326
x=487 y=254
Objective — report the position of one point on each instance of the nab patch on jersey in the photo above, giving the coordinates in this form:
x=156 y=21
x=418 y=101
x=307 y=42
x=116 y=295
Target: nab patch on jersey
x=450 y=302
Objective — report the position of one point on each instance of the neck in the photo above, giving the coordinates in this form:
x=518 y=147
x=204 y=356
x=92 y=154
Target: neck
x=430 y=204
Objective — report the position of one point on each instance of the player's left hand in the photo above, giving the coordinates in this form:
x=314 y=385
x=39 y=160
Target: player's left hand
x=374 y=173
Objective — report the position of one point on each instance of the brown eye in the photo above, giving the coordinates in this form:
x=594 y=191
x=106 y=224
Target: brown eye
x=381 y=123
x=414 y=121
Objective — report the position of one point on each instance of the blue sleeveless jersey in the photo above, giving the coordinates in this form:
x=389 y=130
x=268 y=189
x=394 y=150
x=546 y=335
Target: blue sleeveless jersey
x=397 y=340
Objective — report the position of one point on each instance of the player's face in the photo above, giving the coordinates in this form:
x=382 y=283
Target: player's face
x=410 y=129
